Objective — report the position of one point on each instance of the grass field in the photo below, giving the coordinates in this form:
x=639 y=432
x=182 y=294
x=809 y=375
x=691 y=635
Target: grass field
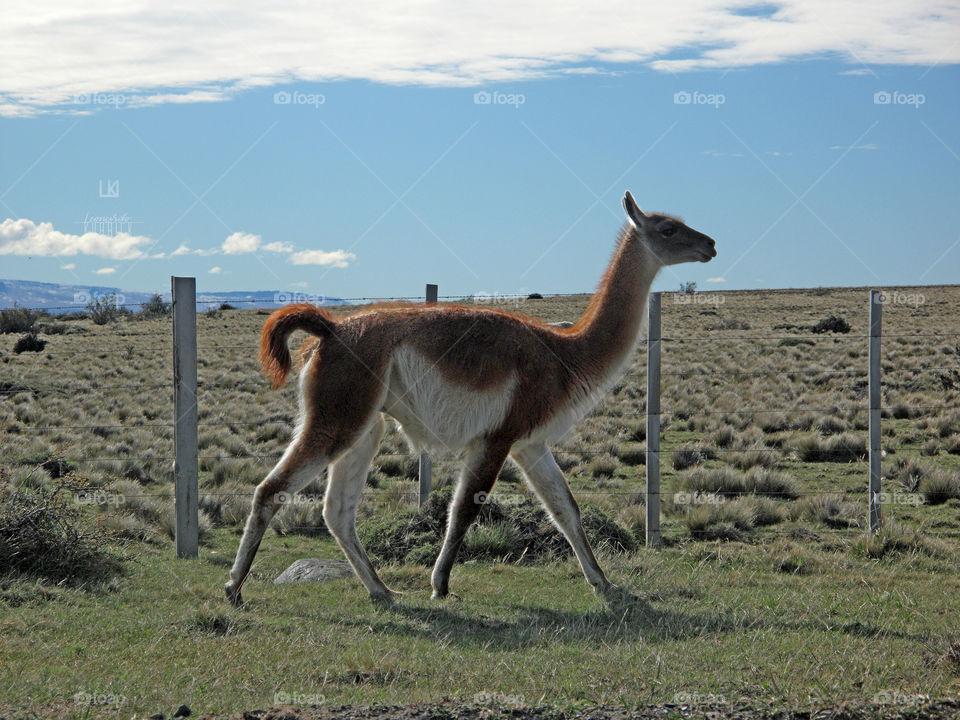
x=767 y=590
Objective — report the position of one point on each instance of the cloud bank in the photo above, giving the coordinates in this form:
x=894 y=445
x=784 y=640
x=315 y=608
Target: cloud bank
x=77 y=56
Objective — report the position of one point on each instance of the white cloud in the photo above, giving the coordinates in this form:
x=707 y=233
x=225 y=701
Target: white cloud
x=240 y=243
x=865 y=146
x=185 y=250
x=68 y=266
x=215 y=270
x=335 y=258
x=25 y=237
x=427 y=44
x=716 y=280
x=105 y=271
x=279 y=247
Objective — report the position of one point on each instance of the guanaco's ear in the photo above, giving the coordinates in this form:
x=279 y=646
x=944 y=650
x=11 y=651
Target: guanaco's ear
x=633 y=211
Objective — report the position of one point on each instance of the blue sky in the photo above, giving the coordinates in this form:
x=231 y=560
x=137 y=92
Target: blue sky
x=375 y=184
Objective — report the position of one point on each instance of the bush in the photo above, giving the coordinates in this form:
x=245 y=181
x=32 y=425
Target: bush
x=834 y=323
x=939 y=487
x=44 y=534
x=845 y=447
x=226 y=306
x=104 y=309
x=834 y=512
x=502 y=532
x=730 y=483
x=720 y=521
x=17 y=319
x=686 y=456
x=154 y=307
x=29 y=343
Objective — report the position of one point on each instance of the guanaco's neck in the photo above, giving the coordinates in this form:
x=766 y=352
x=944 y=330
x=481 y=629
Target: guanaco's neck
x=609 y=329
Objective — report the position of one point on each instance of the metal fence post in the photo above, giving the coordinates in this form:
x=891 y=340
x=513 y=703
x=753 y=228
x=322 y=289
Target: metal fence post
x=426 y=463
x=653 y=420
x=186 y=470
x=876 y=448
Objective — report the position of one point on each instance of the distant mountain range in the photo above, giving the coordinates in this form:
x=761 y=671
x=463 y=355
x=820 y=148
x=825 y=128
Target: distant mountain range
x=57 y=298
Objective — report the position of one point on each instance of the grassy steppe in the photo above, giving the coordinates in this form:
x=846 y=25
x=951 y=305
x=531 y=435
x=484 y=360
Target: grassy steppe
x=767 y=589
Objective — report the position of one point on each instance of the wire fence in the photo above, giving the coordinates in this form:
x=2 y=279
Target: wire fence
x=211 y=351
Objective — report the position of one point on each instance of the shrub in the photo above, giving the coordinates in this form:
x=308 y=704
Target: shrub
x=154 y=307
x=720 y=521
x=893 y=538
x=51 y=328
x=834 y=512
x=686 y=456
x=44 y=534
x=226 y=306
x=17 y=319
x=834 y=323
x=29 y=343
x=730 y=483
x=939 y=487
x=755 y=457
x=104 y=309
x=603 y=466
x=414 y=536
x=845 y=447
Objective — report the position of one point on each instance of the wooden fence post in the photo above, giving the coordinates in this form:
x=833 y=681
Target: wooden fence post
x=186 y=470
x=653 y=421
x=426 y=463
x=876 y=447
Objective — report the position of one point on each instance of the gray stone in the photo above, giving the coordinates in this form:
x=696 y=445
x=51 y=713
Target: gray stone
x=315 y=569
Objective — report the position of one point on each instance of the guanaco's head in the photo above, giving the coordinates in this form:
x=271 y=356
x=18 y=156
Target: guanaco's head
x=668 y=238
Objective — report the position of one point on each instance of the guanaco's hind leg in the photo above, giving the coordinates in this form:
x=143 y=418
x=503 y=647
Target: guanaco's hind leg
x=479 y=474
x=547 y=480
x=347 y=477
x=296 y=468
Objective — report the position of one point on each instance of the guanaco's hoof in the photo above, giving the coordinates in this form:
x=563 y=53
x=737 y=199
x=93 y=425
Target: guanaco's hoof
x=391 y=597
x=233 y=594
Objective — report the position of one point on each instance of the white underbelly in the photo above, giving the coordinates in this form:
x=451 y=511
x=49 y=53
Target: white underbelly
x=436 y=414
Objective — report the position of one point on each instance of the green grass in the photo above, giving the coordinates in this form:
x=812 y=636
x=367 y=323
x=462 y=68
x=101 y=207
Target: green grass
x=781 y=598
x=706 y=619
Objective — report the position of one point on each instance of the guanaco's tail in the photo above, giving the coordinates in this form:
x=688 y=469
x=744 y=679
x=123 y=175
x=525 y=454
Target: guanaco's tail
x=274 y=354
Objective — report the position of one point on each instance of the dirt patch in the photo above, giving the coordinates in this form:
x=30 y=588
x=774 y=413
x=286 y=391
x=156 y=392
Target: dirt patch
x=449 y=709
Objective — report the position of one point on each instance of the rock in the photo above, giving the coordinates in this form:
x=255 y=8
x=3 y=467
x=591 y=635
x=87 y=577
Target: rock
x=316 y=569
x=182 y=711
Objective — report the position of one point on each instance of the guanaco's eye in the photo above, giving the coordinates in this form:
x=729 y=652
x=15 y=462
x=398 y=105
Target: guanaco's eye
x=668 y=231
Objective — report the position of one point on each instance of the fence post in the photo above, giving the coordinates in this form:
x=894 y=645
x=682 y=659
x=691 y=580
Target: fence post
x=184 y=295
x=876 y=448
x=426 y=463
x=653 y=420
